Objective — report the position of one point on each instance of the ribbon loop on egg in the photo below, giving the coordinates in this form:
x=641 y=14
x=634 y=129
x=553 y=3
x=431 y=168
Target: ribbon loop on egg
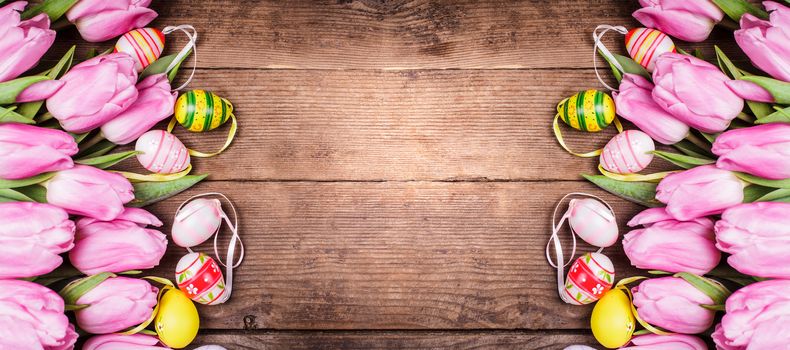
x=192 y=35
x=600 y=47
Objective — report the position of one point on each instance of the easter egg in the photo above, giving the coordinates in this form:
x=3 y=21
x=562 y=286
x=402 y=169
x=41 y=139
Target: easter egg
x=612 y=321
x=590 y=110
x=199 y=276
x=196 y=222
x=593 y=222
x=590 y=277
x=644 y=45
x=628 y=152
x=177 y=321
x=200 y=110
x=145 y=45
x=162 y=152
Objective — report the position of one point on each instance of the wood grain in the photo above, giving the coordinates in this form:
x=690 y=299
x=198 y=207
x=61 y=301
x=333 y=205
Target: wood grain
x=394 y=255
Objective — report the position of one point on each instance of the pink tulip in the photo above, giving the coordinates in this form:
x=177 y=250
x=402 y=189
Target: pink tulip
x=22 y=43
x=635 y=103
x=767 y=43
x=762 y=150
x=32 y=317
x=88 y=191
x=669 y=245
x=123 y=342
x=673 y=304
x=32 y=237
x=95 y=92
x=100 y=20
x=698 y=192
x=757 y=235
x=689 y=20
x=27 y=150
x=154 y=104
x=757 y=317
x=116 y=304
x=695 y=92
x=666 y=342
x=120 y=245
x=750 y=91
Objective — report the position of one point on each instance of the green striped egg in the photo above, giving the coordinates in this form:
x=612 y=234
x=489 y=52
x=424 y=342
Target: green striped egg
x=590 y=110
x=200 y=110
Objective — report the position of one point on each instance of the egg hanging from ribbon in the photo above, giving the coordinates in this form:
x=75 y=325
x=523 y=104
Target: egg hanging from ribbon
x=593 y=222
x=612 y=321
x=199 y=276
x=200 y=110
x=590 y=277
x=590 y=110
x=177 y=321
x=145 y=45
x=162 y=152
x=644 y=45
x=196 y=222
x=628 y=152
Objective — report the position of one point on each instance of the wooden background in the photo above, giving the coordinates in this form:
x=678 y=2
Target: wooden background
x=395 y=168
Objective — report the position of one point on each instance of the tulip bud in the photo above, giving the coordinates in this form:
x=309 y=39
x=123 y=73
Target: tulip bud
x=750 y=91
x=756 y=318
x=766 y=42
x=27 y=150
x=695 y=92
x=154 y=103
x=698 y=192
x=32 y=317
x=116 y=304
x=689 y=20
x=125 y=342
x=666 y=342
x=119 y=245
x=669 y=245
x=635 y=103
x=100 y=20
x=95 y=92
x=22 y=43
x=762 y=150
x=88 y=191
x=673 y=304
x=32 y=237
x=39 y=91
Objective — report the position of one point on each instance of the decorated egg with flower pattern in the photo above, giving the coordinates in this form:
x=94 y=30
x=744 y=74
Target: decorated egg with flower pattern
x=593 y=222
x=628 y=152
x=196 y=222
x=590 y=277
x=162 y=152
x=199 y=276
x=145 y=45
x=644 y=45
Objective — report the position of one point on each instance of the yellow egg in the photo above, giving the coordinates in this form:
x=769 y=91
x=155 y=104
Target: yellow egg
x=177 y=321
x=612 y=321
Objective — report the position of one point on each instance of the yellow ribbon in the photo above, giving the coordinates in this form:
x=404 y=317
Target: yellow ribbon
x=231 y=134
x=135 y=177
x=622 y=286
x=142 y=326
x=558 y=135
x=655 y=177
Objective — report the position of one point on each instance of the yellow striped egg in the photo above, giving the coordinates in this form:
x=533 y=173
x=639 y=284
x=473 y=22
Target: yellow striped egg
x=145 y=45
x=590 y=110
x=644 y=45
x=200 y=110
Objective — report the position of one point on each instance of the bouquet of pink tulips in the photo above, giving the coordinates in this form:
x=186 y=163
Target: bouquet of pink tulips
x=59 y=196
x=719 y=226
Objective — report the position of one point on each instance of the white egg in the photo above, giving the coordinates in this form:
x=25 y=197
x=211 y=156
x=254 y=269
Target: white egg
x=162 y=152
x=196 y=222
x=628 y=152
x=593 y=222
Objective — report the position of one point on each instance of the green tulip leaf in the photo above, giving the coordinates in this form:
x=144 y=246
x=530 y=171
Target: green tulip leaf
x=690 y=149
x=642 y=193
x=756 y=180
x=75 y=290
x=717 y=292
x=683 y=161
x=780 y=90
x=10 y=195
x=53 y=8
x=735 y=9
x=107 y=160
x=37 y=193
x=754 y=193
x=99 y=149
x=9 y=115
x=629 y=66
x=782 y=115
x=759 y=109
x=773 y=195
x=26 y=182
x=11 y=89
x=146 y=193
x=160 y=66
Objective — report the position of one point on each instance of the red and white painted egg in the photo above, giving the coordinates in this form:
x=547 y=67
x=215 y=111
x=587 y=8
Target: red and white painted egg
x=162 y=152
x=590 y=277
x=593 y=222
x=196 y=222
x=145 y=45
x=200 y=278
x=628 y=152
x=644 y=45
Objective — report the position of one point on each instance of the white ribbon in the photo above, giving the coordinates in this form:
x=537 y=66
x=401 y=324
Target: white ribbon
x=604 y=51
x=192 y=34
x=231 y=246
x=555 y=238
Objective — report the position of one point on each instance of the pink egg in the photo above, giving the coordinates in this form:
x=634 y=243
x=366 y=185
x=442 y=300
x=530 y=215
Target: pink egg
x=590 y=276
x=196 y=222
x=628 y=152
x=593 y=222
x=644 y=45
x=162 y=152
x=145 y=45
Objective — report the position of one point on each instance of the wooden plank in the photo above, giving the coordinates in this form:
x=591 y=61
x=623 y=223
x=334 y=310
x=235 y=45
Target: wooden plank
x=394 y=255
x=476 y=340
x=413 y=125
x=421 y=34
